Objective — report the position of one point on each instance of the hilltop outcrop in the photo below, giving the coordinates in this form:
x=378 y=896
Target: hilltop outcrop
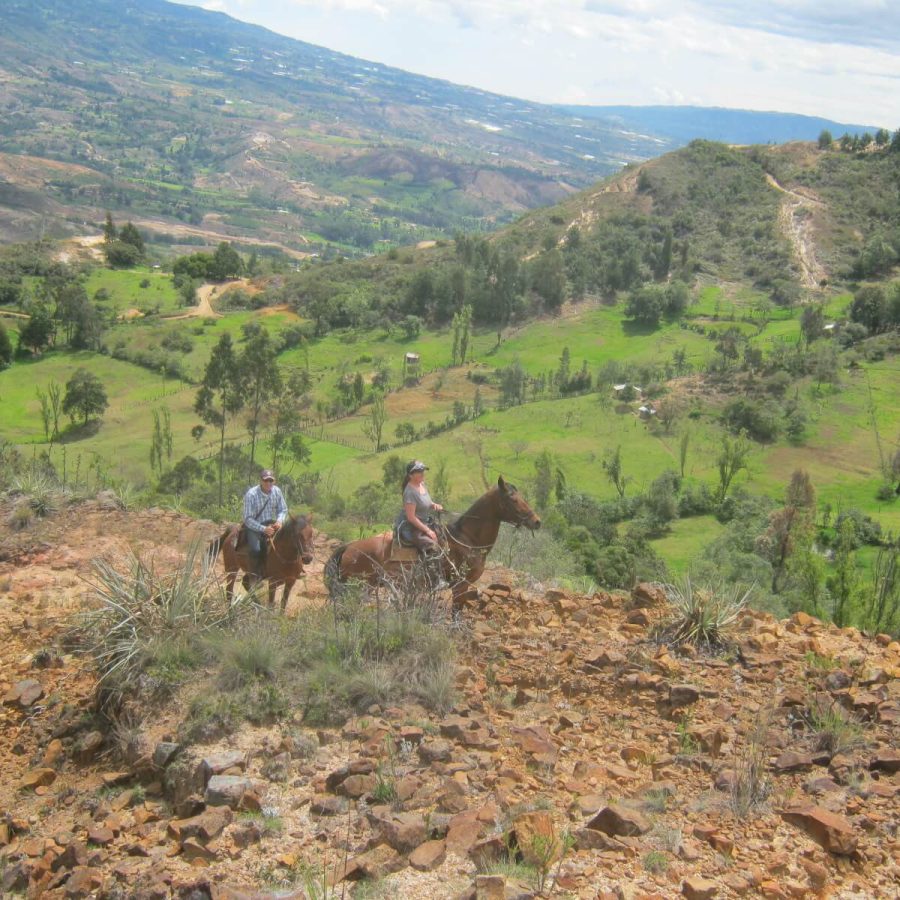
x=580 y=755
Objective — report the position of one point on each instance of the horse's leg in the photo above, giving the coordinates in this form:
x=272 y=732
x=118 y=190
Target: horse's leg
x=288 y=586
x=230 y=578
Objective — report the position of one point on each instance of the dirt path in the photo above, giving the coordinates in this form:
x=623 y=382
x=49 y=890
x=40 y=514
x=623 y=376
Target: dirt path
x=624 y=184
x=204 y=308
x=796 y=223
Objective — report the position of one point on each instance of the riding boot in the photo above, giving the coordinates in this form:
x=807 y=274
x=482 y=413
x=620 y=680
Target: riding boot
x=257 y=572
x=434 y=570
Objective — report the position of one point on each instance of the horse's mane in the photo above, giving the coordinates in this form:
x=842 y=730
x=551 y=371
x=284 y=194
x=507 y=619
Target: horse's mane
x=297 y=523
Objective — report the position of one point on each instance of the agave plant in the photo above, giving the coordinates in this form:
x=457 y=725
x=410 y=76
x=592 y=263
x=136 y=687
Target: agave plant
x=142 y=608
x=704 y=615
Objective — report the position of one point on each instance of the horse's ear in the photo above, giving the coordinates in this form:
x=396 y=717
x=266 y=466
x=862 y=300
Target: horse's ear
x=501 y=484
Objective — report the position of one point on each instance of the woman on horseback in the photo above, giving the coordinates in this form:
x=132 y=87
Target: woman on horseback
x=414 y=523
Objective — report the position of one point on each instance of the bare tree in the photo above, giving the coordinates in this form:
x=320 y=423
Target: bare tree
x=373 y=428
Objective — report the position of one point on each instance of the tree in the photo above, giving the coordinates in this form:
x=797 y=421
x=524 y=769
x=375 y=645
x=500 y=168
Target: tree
x=668 y=413
x=843 y=583
x=374 y=426
x=109 y=229
x=462 y=322
x=882 y=137
x=6 y=349
x=161 y=440
x=683 y=451
x=226 y=263
x=543 y=478
x=790 y=528
x=51 y=409
x=37 y=333
x=548 y=278
x=612 y=465
x=221 y=395
x=812 y=322
x=411 y=326
x=477 y=403
x=825 y=139
x=262 y=381
x=85 y=396
x=664 y=259
x=732 y=458
x=122 y=255
x=285 y=441
x=647 y=304
x=129 y=234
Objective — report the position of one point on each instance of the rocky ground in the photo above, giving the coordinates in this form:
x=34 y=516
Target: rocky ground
x=578 y=749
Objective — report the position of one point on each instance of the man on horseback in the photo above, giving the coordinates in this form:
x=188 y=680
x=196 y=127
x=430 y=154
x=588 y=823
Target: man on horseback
x=265 y=511
x=415 y=525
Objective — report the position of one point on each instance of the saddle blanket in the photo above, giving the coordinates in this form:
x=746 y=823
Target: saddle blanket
x=399 y=553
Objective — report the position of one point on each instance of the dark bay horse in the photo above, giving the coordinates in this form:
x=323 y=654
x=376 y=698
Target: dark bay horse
x=287 y=551
x=466 y=544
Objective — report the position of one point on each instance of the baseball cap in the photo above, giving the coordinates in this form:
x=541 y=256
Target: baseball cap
x=266 y=474
x=415 y=466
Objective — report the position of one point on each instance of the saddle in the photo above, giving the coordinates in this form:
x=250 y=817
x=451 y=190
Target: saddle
x=237 y=536
x=399 y=552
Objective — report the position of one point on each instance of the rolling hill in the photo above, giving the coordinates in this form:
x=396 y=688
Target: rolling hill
x=202 y=127
x=683 y=124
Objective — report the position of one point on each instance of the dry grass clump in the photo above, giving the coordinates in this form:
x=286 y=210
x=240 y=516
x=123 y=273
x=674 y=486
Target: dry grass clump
x=151 y=629
x=751 y=786
x=832 y=728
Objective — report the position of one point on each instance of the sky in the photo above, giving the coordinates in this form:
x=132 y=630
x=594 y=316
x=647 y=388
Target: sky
x=839 y=60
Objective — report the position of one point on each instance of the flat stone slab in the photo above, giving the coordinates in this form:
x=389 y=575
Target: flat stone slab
x=227 y=790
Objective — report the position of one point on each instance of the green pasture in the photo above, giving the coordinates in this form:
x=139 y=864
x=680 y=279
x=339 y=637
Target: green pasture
x=598 y=335
x=125 y=289
x=204 y=333
x=123 y=438
x=686 y=541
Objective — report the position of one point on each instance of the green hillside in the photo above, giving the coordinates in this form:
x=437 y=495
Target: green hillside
x=650 y=360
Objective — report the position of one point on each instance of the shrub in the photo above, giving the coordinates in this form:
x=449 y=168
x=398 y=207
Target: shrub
x=253 y=650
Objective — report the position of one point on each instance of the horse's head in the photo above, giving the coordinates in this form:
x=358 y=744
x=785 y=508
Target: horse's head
x=513 y=507
x=301 y=536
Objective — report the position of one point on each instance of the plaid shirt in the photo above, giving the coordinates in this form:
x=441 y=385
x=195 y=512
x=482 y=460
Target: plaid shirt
x=260 y=507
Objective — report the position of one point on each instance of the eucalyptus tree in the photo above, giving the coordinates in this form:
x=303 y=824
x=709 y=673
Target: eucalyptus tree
x=221 y=395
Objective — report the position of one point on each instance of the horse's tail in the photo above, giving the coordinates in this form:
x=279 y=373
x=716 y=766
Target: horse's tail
x=332 y=573
x=214 y=547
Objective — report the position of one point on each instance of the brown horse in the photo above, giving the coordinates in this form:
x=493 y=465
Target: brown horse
x=287 y=551
x=466 y=544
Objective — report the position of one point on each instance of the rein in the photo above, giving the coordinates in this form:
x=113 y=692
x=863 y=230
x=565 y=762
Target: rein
x=274 y=548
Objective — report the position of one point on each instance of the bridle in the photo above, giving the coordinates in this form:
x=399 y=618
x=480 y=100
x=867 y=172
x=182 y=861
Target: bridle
x=299 y=544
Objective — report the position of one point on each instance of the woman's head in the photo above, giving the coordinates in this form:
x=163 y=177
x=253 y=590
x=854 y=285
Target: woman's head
x=415 y=471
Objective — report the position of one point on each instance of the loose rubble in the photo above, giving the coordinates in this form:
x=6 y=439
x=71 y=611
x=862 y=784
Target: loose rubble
x=578 y=751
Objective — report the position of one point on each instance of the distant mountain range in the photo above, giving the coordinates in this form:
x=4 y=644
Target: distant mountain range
x=202 y=128
x=682 y=124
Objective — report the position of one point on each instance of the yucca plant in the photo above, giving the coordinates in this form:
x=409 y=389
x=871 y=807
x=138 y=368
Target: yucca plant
x=703 y=615
x=141 y=609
